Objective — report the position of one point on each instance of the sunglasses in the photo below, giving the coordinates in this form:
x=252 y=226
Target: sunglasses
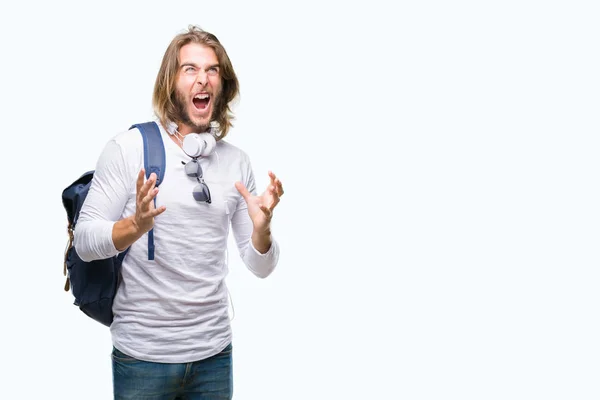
x=194 y=170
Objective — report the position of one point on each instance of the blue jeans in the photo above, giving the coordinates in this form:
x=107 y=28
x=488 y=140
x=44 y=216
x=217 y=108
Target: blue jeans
x=209 y=379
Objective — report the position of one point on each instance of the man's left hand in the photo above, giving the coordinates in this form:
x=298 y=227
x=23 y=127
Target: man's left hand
x=260 y=208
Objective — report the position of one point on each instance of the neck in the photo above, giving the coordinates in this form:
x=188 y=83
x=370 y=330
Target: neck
x=185 y=129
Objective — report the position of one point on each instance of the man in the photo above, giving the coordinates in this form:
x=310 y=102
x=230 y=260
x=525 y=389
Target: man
x=171 y=331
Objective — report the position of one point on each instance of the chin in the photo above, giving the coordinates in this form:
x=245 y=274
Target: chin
x=202 y=125
x=201 y=122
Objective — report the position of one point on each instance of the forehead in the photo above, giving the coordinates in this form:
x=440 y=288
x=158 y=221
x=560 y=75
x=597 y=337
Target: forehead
x=197 y=54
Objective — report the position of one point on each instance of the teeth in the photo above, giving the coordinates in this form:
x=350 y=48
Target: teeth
x=201 y=96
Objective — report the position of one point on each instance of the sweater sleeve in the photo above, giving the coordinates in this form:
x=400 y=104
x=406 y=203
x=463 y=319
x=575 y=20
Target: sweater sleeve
x=103 y=205
x=259 y=264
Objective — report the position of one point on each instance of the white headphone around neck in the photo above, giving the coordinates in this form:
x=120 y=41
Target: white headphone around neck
x=199 y=144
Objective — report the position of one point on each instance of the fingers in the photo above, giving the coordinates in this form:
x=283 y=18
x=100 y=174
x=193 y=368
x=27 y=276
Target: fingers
x=146 y=191
x=275 y=196
x=276 y=183
x=157 y=211
x=147 y=200
x=266 y=210
x=145 y=194
x=140 y=181
x=243 y=191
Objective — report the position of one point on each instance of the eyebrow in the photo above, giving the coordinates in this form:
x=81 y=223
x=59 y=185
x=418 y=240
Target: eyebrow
x=190 y=64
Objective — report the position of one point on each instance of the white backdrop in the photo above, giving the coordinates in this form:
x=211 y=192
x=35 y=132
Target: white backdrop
x=440 y=225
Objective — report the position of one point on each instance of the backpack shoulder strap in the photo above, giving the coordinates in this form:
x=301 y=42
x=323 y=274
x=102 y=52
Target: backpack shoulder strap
x=154 y=150
x=154 y=161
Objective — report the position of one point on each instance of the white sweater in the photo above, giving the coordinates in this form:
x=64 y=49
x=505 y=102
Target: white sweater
x=173 y=309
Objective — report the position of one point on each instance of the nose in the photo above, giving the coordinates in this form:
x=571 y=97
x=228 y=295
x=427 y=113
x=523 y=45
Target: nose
x=201 y=78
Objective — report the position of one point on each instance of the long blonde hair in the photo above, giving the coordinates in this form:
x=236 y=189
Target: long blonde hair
x=164 y=95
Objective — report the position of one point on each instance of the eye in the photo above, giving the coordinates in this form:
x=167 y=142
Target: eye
x=189 y=69
x=213 y=71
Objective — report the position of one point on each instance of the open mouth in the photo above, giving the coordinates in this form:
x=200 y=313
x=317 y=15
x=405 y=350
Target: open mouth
x=201 y=101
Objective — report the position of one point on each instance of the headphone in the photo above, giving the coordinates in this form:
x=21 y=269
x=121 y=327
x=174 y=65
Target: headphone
x=199 y=144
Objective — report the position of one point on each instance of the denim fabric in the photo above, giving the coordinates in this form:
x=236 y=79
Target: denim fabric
x=209 y=379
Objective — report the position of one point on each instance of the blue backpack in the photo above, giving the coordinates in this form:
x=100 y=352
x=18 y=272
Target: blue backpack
x=94 y=284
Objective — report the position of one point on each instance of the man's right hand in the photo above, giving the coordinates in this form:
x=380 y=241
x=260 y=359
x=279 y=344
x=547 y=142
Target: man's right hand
x=128 y=230
x=144 y=202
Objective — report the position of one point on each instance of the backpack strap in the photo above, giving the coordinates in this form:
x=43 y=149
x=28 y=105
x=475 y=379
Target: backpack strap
x=154 y=161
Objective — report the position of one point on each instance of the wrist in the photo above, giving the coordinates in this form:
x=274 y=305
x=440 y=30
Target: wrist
x=132 y=226
x=262 y=231
x=125 y=232
x=261 y=239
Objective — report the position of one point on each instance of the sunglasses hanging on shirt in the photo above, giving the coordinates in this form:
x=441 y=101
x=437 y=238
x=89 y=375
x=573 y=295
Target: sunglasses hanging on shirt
x=198 y=145
x=201 y=191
